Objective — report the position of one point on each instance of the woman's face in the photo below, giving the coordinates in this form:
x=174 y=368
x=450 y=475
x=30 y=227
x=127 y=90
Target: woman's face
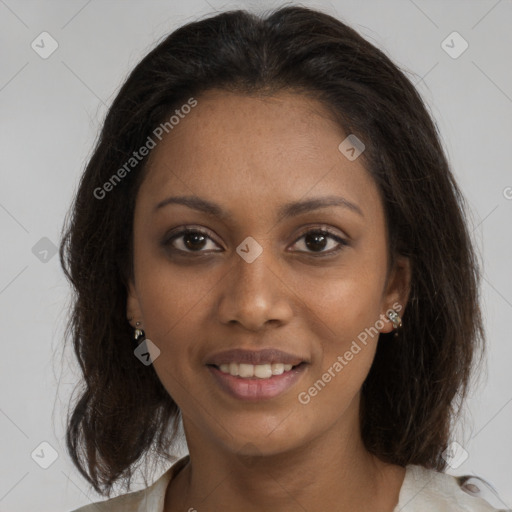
x=250 y=277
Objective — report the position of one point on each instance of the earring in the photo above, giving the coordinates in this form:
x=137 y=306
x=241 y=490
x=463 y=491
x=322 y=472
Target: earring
x=139 y=333
x=395 y=318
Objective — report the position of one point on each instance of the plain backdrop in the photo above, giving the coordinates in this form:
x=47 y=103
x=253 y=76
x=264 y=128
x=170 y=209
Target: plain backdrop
x=50 y=112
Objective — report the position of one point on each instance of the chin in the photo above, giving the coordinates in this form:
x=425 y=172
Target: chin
x=266 y=441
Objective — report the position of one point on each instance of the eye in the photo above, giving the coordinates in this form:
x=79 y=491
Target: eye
x=316 y=240
x=194 y=240
x=188 y=240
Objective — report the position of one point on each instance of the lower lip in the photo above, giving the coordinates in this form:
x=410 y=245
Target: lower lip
x=257 y=389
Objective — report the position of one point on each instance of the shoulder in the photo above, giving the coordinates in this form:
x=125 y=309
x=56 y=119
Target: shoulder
x=442 y=492
x=150 y=499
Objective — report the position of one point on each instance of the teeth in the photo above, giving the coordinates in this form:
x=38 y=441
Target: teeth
x=246 y=370
x=261 y=371
x=278 y=368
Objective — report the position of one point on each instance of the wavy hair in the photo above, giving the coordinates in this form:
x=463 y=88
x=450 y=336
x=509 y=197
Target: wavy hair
x=418 y=381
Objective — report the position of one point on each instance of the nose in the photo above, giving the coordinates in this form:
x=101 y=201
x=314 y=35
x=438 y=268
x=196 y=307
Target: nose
x=255 y=294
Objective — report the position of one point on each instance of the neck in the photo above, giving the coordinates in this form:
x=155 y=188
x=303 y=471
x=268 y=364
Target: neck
x=332 y=472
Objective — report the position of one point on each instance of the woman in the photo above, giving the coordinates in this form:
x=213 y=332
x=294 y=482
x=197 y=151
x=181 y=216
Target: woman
x=270 y=214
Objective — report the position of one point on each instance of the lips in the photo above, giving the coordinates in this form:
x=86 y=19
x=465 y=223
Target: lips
x=252 y=357
x=256 y=389
x=255 y=375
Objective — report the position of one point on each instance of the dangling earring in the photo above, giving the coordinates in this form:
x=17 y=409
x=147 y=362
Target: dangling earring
x=395 y=319
x=139 y=333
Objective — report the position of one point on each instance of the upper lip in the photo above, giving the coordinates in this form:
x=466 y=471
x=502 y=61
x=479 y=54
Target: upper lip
x=254 y=357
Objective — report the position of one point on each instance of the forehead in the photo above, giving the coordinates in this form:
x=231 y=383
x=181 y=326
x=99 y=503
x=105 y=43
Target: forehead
x=250 y=148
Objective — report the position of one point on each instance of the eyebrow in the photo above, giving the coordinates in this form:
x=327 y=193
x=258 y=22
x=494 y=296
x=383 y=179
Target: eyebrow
x=285 y=211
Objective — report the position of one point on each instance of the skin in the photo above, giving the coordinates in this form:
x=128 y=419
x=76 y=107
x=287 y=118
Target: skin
x=250 y=155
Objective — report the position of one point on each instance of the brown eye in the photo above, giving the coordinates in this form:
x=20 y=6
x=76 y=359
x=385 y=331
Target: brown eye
x=194 y=241
x=317 y=240
x=188 y=240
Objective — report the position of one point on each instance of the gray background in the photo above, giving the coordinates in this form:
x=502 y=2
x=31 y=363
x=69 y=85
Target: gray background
x=50 y=113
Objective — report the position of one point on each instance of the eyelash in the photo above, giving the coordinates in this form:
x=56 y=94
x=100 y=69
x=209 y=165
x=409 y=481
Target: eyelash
x=323 y=231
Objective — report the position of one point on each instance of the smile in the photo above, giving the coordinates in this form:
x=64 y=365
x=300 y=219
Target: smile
x=256 y=382
x=260 y=371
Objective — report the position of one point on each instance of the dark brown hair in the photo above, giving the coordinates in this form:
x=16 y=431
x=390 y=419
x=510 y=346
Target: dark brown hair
x=418 y=381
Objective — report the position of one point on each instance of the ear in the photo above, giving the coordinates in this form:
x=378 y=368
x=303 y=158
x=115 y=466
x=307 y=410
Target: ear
x=133 y=310
x=397 y=291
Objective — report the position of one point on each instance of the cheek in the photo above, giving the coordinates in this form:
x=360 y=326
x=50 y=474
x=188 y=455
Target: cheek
x=343 y=354
x=346 y=300
x=344 y=313
x=173 y=306
x=172 y=296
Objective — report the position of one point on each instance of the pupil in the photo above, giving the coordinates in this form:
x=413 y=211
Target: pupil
x=316 y=245
x=195 y=237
